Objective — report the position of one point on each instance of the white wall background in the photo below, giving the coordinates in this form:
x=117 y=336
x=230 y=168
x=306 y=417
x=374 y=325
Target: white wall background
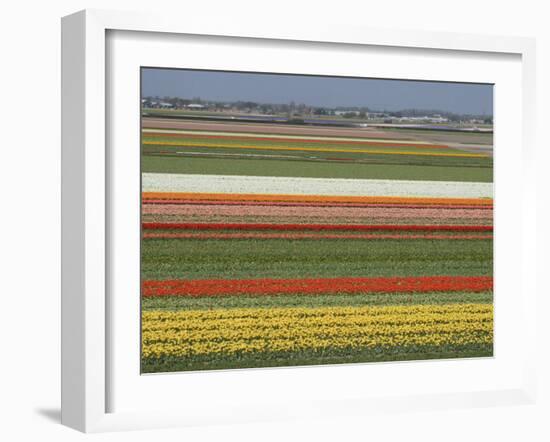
x=30 y=216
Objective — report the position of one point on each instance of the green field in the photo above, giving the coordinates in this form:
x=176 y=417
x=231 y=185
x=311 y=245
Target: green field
x=246 y=156
x=304 y=358
x=219 y=166
x=279 y=258
x=305 y=300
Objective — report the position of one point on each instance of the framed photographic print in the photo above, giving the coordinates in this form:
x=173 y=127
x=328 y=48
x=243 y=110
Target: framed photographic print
x=285 y=222
x=251 y=213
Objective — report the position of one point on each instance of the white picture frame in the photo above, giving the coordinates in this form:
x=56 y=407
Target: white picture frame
x=86 y=209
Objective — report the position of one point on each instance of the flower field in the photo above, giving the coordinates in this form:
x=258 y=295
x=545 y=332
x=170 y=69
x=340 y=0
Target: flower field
x=288 y=155
x=234 y=332
x=360 y=250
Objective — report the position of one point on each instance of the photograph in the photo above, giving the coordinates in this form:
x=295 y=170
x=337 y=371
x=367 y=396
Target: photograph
x=301 y=220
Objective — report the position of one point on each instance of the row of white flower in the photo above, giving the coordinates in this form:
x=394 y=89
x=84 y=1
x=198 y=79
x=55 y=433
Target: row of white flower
x=167 y=182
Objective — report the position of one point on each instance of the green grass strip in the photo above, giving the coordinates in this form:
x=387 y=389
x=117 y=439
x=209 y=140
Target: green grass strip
x=313 y=301
x=266 y=258
x=311 y=357
x=314 y=169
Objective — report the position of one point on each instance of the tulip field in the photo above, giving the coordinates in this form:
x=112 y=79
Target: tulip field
x=266 y=250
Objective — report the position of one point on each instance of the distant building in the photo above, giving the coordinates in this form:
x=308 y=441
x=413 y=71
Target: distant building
x=345 y=112
x=376 y=115
x=426 y=118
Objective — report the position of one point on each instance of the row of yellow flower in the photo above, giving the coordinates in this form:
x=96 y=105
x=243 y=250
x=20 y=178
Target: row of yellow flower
x=312 y=149
x=378 y=330
x=188 y=333
x=262 y=319
x=304 y=312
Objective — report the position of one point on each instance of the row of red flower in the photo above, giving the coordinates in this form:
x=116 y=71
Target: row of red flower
x=312 y=286
x=314 y=227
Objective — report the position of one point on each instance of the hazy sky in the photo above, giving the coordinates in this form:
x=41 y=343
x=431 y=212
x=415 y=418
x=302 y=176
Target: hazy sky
x=319 y=91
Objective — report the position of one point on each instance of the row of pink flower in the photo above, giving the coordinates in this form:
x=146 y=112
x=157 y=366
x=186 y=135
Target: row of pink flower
x=317 y=212
x=314 y=204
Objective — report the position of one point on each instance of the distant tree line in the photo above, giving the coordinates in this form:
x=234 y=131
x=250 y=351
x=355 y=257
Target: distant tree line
x=302 y=109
